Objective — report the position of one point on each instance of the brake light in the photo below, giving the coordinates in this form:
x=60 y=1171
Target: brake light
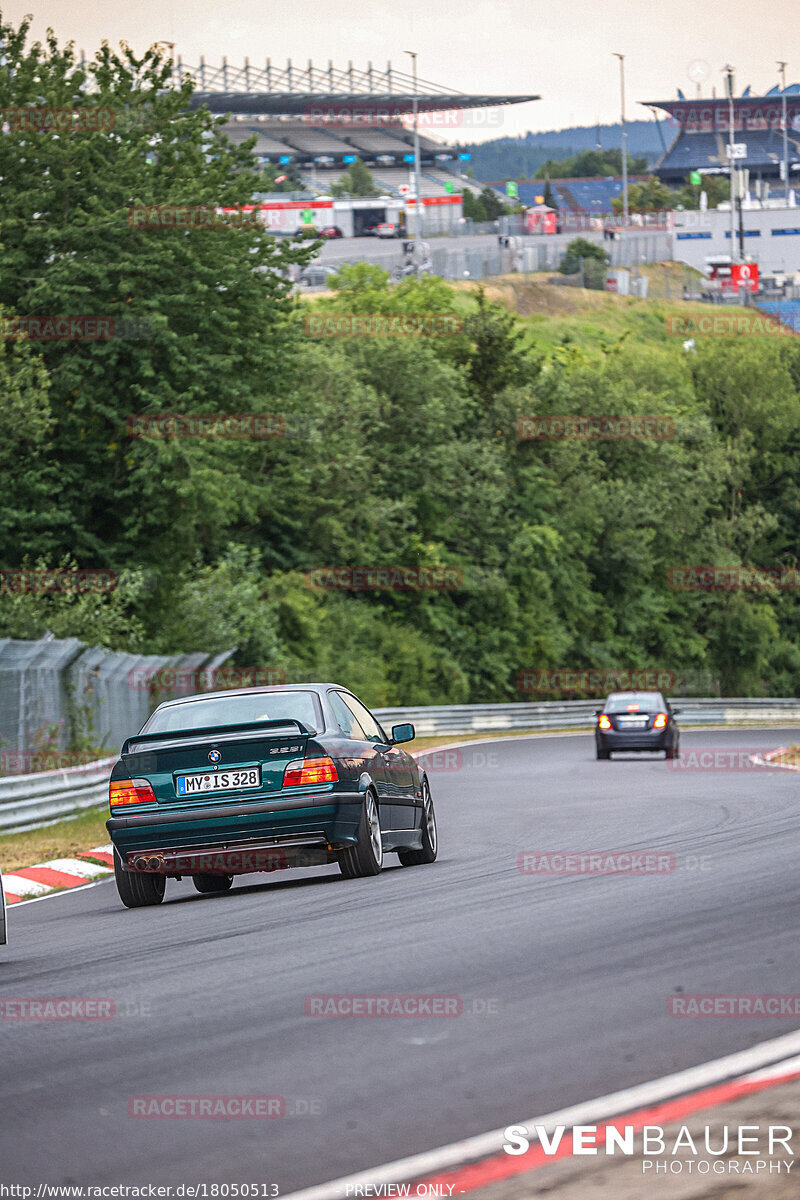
x=304 y=771
x=603 y=721
x=130 y=791
x=660 y=721
x=632 y=708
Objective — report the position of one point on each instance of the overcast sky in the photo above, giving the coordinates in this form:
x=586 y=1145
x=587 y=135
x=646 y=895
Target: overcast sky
x=560 y=50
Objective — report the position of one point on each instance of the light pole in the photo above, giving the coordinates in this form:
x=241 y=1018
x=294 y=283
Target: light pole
x=417 y=189
x=621 y=58
x=782 y=68
x=729 y=87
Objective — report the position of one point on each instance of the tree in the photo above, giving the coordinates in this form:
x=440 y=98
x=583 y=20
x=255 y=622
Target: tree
x=473 y=206
x=716 y=188
x=591 y=164
x=492 y=204
x=577 y=249
x=356 y=180
x=651 y=196
x=201 y=316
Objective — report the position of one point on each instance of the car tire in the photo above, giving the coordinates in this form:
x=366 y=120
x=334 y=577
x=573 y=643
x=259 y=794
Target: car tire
x=603 y=755
x=430 y=835
x=211 y=885
x=366 y=857
x=673 y=751
x=137 y=891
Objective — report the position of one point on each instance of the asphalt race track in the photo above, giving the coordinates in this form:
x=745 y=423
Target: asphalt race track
x=564 y=980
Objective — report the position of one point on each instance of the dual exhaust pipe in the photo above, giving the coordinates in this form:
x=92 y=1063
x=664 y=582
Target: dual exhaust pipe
x=153 y=862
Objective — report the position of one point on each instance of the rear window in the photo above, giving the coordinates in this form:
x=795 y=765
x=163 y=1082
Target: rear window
x=643 y=702
x=237 y=710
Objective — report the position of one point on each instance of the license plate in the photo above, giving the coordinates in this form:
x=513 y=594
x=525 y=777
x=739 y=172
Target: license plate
x=198 y=784
x=633 y=722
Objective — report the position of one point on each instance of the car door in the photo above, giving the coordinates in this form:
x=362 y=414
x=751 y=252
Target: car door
x=363 y=747
x=400 y=767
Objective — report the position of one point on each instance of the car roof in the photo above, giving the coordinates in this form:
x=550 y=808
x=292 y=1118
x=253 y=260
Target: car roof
x=283 y=687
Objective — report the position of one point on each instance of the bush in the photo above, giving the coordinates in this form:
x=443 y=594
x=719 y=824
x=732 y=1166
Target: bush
x=580 y=248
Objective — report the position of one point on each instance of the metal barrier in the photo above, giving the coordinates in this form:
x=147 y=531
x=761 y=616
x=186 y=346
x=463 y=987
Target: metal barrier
x=30 y=800
x=578 y=714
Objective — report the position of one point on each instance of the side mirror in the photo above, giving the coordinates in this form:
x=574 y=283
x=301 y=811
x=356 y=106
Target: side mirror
x=675 y=712
x=403 y=733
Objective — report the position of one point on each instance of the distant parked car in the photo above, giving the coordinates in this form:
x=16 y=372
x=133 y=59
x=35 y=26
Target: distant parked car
x=387 y=229
x=315 y=275
x=3 y=921
x=331 y=231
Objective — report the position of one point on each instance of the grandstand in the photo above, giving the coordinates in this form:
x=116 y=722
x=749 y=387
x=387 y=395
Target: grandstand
x=321 y=120
x=704 y=134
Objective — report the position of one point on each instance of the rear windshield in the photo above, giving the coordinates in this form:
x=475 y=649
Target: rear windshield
x=644 y=702
x=237 y=710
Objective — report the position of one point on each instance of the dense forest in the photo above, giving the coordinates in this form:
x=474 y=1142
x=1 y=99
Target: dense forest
x=399 y=451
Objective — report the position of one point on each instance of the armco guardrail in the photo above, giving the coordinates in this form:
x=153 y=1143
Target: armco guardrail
x=578 y=714
x=30 y=800
x=27 y=801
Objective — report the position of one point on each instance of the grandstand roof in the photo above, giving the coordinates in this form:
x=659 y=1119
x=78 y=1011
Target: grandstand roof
x=291 y=91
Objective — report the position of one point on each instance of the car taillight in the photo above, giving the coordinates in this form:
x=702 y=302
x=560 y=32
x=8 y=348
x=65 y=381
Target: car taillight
x=603 y=721
x=309 y=770
x=660 y=721
x=130 y=791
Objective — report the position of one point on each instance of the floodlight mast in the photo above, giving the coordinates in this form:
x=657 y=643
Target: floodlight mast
x=417 y=190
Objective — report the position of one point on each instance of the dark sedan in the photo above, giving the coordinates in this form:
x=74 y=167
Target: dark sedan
x=637 y=721
x=258 y=779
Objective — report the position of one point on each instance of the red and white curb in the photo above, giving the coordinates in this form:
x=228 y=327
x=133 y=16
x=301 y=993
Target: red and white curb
x=479 y=1161
x=31 y=883
x=766 y=760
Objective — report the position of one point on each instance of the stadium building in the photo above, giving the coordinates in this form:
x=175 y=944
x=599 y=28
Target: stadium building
x=321 y=121
x=705 y=132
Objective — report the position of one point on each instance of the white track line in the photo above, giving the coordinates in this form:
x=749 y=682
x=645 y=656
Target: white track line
x=589 y=1113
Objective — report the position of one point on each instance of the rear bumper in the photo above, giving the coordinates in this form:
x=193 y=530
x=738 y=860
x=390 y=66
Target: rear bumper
x=272 y=832
x=647 y=739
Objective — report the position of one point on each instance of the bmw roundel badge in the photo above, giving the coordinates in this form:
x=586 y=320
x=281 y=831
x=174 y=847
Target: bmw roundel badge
x=214 y=756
